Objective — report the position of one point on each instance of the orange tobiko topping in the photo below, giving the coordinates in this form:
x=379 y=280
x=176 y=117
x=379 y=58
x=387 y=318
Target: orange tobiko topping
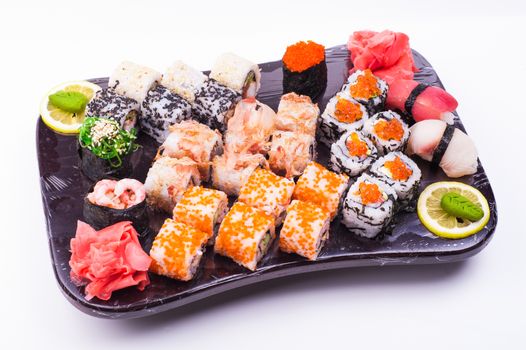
x=366 y=86
x=355 y=146
x=303 y=55
x=347 y=112
x=370 y=193
x=389 y=130
x=398 y=169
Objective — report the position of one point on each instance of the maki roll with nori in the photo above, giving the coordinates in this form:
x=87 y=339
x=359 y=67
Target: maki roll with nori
x=399 y=172
x=110 y=105
x=387 y=131
x=368 y=89
x=215 y=104
x=352 y=154
x=342 y=114
x=105 y=148
x=305 y=69
x=368 y=207
x=160 y=109
x=237 y=73
x=111 y=201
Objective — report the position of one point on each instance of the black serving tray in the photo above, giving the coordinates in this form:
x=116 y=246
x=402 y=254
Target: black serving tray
x=64 y=186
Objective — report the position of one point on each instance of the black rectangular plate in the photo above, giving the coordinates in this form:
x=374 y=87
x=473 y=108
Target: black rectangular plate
x=63 y=188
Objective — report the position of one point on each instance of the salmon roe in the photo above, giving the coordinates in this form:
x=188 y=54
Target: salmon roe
x=366 y=86
x=355 y=146
x=389 y=129
x=398 y=169
x=303 y=55
x=370 y=193
x=347 y=112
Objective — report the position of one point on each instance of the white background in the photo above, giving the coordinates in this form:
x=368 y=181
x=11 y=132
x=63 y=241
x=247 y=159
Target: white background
x=478 y=49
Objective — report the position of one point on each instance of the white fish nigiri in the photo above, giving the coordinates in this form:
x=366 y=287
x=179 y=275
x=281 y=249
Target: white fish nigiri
x=455 y=153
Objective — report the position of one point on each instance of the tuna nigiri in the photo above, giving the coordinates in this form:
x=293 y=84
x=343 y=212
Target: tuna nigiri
x=421 y=101
x=445 y=145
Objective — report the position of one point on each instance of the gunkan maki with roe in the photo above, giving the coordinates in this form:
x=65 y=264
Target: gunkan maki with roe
x=305 y=69
x=105 y=148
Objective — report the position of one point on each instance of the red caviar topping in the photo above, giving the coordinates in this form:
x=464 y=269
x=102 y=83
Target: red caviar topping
x=370 y=193
x=366 y=86
x=303 y=55
x=355 y=146
x=389 y=130
x=347 y=112
x=399 y=170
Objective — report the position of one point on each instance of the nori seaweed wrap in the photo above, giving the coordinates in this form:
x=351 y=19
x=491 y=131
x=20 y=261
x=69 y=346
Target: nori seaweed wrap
x=305 y=69
x=105 y=149
x=100 y=216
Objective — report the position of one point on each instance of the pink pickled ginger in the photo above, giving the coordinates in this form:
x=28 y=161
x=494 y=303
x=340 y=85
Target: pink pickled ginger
x=108 y=260
x=387 y=54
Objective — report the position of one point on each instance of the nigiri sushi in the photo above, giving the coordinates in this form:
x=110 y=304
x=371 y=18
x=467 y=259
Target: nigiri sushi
x=444 y=145
x=421 y=101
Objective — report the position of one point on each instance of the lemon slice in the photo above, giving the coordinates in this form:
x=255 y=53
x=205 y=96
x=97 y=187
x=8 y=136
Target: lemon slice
x=436 y=220
x=63 y=121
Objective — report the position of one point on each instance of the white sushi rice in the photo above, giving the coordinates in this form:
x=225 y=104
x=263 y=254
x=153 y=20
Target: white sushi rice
x=331 y=129
x=183 y=80
x=133 y=80
x=374 y=104
x=406 y=190
x=232 y=71
x=160 y=109
x=368 y=220
x=385 y=146
x=342 y=162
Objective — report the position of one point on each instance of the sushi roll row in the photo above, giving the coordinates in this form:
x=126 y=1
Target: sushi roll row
x=293 y=142
x=390 y=186
x=182 y=240
x=138 y=95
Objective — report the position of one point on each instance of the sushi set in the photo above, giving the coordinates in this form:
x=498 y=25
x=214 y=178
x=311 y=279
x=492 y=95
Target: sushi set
x=161 y=189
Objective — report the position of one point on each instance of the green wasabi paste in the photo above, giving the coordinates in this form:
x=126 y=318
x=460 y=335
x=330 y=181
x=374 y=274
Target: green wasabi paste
x=69 y=101
x=457 y=205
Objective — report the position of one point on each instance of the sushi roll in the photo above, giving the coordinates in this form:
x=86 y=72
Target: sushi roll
x=214 y=104
x=168 y=179
x=290 y=152
x=177 y=250
x=342 y=114
x=387 y=131
x=105 y=149
x=400 y=173
x=194 y=140
x=305 y=230
x=269 y=192
x=245 y=235
x=110 y=105
x=352 y=154
x=231 y=170
x=322 y=187
x=237 y=73
x=201 y=208
x=160 y=109
x=445 y=146
x=297 y=113
x=250 y=127
x=305 y=69
x=112 y=201
x=183 y=80
x=134 y=81
x=368 y=207
x=366 y=88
